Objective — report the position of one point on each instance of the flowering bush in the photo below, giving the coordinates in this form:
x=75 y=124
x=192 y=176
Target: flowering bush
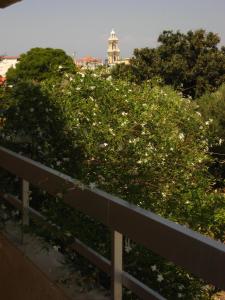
x=145 y=144
x=212 y=107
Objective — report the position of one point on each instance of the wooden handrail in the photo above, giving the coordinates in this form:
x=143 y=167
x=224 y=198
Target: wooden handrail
x=196 y=253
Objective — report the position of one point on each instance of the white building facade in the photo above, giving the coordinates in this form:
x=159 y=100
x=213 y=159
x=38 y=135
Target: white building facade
x=113 y=49
x=7 y=62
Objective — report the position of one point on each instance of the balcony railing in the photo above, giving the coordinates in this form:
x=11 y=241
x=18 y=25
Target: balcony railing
x=196 y=253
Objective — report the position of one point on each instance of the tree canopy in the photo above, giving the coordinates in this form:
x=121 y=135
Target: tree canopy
x=144 y=143
x=212 y=107
x=191 y=62
x=39 y=64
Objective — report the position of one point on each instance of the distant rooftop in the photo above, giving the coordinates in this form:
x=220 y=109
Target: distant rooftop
x=89 y=59
x=2 y=80
x=9 y=57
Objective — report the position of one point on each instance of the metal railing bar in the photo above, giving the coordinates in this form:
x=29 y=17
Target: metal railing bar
x=17 y=203
x=139 y=288
x=13 y=200
x=98 y=260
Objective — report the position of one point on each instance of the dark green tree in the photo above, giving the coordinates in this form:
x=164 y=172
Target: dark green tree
x=191 y=62
x=39 y=64
x=212 y=107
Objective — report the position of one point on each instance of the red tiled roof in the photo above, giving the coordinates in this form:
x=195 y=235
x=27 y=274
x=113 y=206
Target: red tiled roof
x=2 y=80
x=9 y=57
x=89 y=59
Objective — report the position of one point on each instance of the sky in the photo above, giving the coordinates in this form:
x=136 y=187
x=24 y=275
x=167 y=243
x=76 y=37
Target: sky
x=83 y=26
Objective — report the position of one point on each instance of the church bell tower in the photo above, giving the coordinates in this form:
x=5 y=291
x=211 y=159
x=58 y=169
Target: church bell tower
x=113 y=49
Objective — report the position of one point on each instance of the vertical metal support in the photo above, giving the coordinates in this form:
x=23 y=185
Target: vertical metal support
x=25 y=202
x=117 y=265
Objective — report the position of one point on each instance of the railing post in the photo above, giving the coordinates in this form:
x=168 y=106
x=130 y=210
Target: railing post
x=25 y=202
x=117 y=265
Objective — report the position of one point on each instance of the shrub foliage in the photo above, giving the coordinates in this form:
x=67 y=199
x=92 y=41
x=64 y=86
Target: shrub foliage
x=144 y=143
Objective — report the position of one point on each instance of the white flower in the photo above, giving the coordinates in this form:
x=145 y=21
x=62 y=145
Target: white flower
x=15 y=213
x=103 y=145
x=160 y=278
x=220 y=141
x=92 y=185
x=56 y=248
x=181 y=136
x=78 y=88
x=58 y=163
x=181 y=287
x=66 y=158
x=127 y=248
x=31 y=109
x=3 y=206
x=153 y=268
x=60 y=67
x=124 y=113
x=68 y=234
x=179 y=295
x=92 y=87
x=198 y=113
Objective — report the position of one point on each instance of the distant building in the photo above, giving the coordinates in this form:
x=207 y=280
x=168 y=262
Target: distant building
x=113 y=49
x=7 y=62
x=125 y=61
x=89 y=62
